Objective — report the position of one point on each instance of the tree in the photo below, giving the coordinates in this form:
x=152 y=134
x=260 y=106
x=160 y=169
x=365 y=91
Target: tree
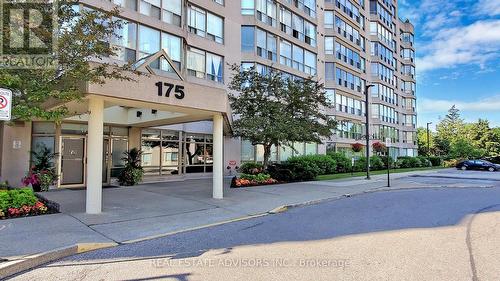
x=448 y=130
x=273 y=110
x=424 y=144
x=82 y=38
x=463 y=149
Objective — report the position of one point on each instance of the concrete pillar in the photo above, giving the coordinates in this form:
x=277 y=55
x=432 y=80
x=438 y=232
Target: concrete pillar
x=218 y=168
x=94 y=156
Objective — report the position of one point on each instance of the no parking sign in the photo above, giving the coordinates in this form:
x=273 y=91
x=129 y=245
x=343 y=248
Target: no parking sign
x=5 y=104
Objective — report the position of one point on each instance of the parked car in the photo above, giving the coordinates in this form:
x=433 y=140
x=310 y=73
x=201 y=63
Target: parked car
x=478 y=165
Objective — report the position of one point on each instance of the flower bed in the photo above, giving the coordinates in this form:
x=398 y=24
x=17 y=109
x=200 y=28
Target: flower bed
x=21 y=202
x=252 y=180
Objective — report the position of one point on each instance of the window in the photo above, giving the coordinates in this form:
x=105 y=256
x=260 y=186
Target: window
x=214 y=67
x=349 y=80
x=285 y=53
x=350 y=10
x=215 y=26
x=329 y=47
x=298 y=27
x=129 y=4
x=310 y=63
x=286 y=21
x=151 y=8
x=203 y=64
x=266 y=45
x=173 y=47
x=349 y=32
x=328 y=19
x=298 y=58
x=310 y=33
x=195 y=62
x=149 y=41
x=329 y=71
x=266 y=11
x=349 y=56
x=247 y=39
x=126 y=42
x=247 y=7
x=172 y=11
x=205 y=24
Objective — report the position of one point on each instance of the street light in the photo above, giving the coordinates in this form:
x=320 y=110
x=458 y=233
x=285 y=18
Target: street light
x=428 y=140
x=367 y=89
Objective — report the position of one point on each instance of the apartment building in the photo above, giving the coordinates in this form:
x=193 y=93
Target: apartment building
x=179 y=114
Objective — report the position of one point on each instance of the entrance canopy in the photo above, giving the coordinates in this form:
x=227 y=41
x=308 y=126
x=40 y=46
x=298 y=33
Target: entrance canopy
x=161 y=96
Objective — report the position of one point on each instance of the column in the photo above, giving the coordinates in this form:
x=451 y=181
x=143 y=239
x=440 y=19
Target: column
x=94 y=156
x=218 y=154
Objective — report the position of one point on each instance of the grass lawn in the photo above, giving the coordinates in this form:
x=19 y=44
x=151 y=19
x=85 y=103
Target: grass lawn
x=381 y=172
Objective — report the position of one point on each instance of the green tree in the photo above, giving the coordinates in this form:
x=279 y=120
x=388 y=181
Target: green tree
x=464 y=149
x=273 y=110
x=448 y=130
x=82 y=38
x=425 y=142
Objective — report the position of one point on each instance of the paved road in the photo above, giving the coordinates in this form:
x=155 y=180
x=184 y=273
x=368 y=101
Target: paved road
x=415 y=234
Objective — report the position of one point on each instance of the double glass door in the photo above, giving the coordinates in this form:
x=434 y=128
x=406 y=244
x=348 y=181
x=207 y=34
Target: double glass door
x=73 y=159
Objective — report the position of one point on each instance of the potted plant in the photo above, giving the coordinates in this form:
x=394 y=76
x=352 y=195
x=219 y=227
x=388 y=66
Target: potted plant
x=379 y=147
x=133 y=171
x=43 y=173
x=356 y=147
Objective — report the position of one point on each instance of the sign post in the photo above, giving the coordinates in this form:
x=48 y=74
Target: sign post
x=5 y=104
x=387 y=145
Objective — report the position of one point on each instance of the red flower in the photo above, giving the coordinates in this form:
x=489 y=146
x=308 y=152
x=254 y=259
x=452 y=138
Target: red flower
x=379 y=147
x=357 y=147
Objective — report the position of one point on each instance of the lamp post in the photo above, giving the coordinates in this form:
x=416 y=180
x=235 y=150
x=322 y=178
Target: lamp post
x=367 y=89
x=428 y=140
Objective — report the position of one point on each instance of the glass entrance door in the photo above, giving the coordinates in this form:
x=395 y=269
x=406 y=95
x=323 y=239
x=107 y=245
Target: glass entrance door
x=118 y=147
x=72 y=160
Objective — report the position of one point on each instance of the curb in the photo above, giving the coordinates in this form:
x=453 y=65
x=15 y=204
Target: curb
x=12 y=267
x=192 y=228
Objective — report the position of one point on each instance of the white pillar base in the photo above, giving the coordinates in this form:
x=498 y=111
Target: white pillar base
x=218 y=155
x=94 y=156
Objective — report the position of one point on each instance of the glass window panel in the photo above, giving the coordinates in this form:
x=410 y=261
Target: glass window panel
x=149 y=40
x=215 y=27
x=44 y=128
x=247 y=38
x=214 y=67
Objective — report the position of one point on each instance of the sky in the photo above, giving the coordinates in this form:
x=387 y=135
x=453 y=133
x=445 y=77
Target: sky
x=458 y=58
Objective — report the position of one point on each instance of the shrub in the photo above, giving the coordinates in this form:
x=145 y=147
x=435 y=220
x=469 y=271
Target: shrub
x=452 y=163
x=424 y=161
x=343 y=163
x=251 y=168
x=20 y=202
x=324 y=163
x=303 y=170
x=280 y=172
x=258 y=178
x=20 y=197
x=436 y=161
x=409 y=162
x=360 y=165
x=133 y=171
x=5 y=201
x=376 y=163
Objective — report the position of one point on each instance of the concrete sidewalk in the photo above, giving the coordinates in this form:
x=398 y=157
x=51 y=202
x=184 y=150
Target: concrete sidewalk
x=150 y=210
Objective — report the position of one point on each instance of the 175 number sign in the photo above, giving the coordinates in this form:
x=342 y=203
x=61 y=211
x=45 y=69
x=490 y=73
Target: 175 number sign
x=178 y=90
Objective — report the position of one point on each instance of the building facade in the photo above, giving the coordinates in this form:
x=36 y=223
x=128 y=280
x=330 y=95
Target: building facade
x=186 y=47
